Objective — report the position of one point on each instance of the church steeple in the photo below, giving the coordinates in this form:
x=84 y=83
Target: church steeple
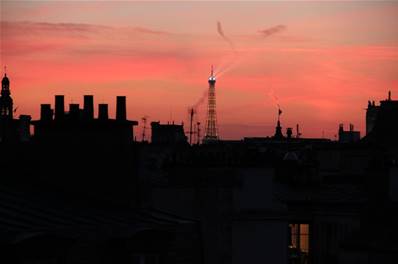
x=6 y=103
x=278 y=128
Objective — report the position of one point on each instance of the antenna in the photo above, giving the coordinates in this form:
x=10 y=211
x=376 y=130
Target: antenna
x=144 y=120
x=212 y=70
x=191 y=114
x=298 y=134
x=198 y=133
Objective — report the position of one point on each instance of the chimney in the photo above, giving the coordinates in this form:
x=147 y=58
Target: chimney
x=121 y=108
x=88 y=107
x=103 y=112
x=289 y=132
x=59 y=107
x=74 y=111
x=341 y=128
x=46 y=113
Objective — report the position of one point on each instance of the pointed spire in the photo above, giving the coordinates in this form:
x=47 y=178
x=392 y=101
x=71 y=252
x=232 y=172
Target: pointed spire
x=279 y=112
x=5 y=71
x=212 y=70
x=389 y=95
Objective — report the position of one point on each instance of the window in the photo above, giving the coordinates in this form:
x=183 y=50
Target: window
x=299 y=241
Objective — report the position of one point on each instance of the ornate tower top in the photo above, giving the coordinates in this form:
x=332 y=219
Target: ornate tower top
x=5 y=84
x=6 y=103
x=212 y=77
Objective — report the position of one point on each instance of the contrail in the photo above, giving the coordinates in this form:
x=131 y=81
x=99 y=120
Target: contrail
x=201 y=100
x=232 y=61
x=272 y=30
x=221 y=32
x=274 y=99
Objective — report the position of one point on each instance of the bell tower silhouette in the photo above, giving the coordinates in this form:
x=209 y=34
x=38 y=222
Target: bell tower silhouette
x=6 y=103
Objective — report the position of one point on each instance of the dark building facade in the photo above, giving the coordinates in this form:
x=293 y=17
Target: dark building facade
x=80 y=125
x=349 y=136
x=168 y=134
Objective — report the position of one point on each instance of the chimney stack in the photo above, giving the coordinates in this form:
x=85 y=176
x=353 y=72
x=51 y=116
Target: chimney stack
x=59 y=107
x=103 y=112
x=74 y=111
x=46 y=113
x=289 y=132
x=88 y=107
x=121 y=108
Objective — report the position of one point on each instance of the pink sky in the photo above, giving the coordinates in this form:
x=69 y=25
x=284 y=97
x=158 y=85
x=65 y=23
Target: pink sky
x=331 y=59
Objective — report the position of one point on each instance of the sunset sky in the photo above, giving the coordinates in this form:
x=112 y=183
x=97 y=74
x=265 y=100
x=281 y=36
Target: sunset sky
x=330 y=59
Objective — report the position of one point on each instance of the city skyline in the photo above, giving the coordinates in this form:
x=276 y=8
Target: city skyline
x=321 y=68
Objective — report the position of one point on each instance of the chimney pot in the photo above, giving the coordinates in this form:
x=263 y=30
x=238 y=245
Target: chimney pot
x=88 y=107
x=121 y=108
x=59 y=107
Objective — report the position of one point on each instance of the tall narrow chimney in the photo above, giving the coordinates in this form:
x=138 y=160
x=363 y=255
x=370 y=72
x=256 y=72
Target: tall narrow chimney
x=103 y=112
x=121 y=108
x=88 y=107
x=46 y=113
x=59 y=107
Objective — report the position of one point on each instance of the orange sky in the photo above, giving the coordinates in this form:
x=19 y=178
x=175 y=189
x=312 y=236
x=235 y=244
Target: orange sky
x=331 y=58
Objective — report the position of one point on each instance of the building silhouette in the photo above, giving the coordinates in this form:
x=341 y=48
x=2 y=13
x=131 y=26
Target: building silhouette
x=381 y=122
x=11 y=130
x=168 y=134
x=80 y=125
x=81 y=190
x=6 y=103
x=349 y=136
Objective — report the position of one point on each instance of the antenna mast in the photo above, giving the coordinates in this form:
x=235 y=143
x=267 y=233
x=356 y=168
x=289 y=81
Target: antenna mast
x=198 y=133
x=144 y=120
x=191 y=114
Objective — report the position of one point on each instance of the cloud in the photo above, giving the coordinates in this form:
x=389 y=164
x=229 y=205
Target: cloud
x=272 y=30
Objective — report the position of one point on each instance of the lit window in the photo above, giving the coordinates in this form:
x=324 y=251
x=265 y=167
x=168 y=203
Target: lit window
x=298 y=243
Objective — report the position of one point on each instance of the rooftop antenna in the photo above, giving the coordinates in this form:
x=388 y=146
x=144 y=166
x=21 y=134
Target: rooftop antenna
x=198 y=133
x=144 y=120
x=212 y=70
x=298 y=134
x=389 y=95
x=5 y=70
x=191 y=114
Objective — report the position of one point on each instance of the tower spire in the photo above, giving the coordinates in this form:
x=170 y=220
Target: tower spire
x=211 y=131
x=6 y=103
x=278 y=128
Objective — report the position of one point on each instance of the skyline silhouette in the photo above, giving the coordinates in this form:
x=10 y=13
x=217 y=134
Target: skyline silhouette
x=328 y=59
